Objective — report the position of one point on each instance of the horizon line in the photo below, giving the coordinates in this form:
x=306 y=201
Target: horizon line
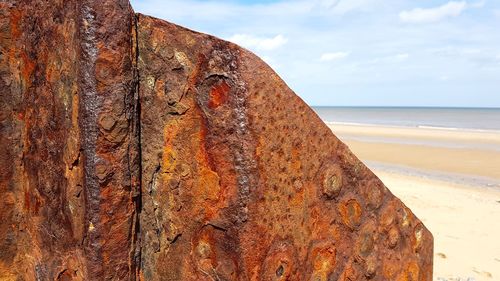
x=406 y=106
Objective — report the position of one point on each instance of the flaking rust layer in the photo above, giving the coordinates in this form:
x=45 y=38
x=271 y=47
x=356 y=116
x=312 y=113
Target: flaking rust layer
x=135 y=149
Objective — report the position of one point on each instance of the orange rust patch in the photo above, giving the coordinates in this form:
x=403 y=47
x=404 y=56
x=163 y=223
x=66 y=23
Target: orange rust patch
x=15 y=18
x=219 y=94
x=323 y=262
x=202 y=154
x=209 y=184
x=390 y=268
x=27 y=68
x=298 y=198
x=296 y=163
x=411 y=273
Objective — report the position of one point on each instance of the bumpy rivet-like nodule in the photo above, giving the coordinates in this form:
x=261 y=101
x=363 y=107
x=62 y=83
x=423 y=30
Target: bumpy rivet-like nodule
x=374 y=194
x=324 y=259
x=365 y=246
x=332 y=182
x=351 y=213
x=393 y=238
x=204 y=249
x=371 y=267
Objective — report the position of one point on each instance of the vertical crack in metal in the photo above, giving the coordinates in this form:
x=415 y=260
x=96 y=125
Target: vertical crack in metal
x=138 y=203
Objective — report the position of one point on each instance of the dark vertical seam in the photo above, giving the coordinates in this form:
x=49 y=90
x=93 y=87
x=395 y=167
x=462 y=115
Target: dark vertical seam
x=138 y=203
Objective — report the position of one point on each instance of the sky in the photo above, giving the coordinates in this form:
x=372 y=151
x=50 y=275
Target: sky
x=361 y=52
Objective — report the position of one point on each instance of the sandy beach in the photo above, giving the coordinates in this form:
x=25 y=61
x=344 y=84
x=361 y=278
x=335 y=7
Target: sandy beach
x=451 y=180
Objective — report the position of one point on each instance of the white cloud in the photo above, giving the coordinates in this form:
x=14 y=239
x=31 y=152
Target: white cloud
x=259 y=43
x=401 y=57
x=420 y=15
x=334 y=56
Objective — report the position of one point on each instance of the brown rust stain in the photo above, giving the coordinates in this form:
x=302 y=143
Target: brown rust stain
x=28 y=67
x=15 y=20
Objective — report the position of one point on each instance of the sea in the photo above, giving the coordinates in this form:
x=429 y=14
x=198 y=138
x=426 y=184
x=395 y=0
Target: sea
x=424 y=117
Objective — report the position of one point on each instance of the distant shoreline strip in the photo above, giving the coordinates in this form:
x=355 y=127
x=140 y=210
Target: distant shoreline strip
x=427 y=127
x=446 y=177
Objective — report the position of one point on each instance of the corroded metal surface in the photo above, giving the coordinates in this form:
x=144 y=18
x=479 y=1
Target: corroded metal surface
x=68 y=141
x=135 y=149
x=242 y=181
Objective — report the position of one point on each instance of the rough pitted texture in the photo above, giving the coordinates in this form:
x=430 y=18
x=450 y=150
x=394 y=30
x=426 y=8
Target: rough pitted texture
x=69 y=161
x=135 y=149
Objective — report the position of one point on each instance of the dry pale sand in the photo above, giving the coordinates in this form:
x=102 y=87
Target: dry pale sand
x=451 y=181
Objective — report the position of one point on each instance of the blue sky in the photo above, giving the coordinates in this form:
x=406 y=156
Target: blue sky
x=361 y=52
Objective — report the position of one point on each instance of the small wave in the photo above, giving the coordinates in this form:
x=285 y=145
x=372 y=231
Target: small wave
x=362 y=124
x=456 y=129
x=427 y=127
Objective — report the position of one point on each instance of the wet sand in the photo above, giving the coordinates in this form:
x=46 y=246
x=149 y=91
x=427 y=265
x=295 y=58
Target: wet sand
x=451 y=181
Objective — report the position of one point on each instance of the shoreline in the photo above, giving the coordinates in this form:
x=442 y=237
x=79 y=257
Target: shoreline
x=472 y=181
x=474 y=154
x=428 y=127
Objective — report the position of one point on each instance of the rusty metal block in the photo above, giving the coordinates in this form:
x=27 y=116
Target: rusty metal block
x=135 y=149
x=248 y=183
x=69 y=139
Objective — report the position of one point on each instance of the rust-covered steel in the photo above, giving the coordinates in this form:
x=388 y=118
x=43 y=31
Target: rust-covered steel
x=135 y=149
x=69 y=155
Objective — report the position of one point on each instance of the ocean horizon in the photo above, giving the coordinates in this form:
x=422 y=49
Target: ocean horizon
x=468 y=118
